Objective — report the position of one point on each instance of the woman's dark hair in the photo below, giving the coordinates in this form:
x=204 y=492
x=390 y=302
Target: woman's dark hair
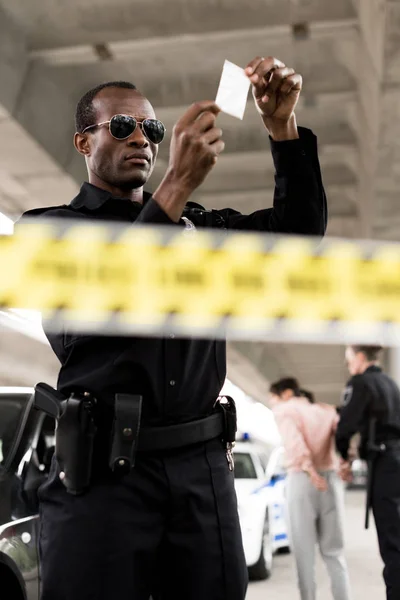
x=286 y=383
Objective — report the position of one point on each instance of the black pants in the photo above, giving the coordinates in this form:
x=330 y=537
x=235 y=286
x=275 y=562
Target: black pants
x=170 y=529
x=386 y=508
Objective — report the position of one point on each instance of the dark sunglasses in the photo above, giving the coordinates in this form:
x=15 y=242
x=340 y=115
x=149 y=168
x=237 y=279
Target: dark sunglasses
x=122 y=126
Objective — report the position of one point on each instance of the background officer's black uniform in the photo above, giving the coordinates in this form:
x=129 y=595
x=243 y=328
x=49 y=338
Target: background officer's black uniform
x=375 y=395
x=171 y=525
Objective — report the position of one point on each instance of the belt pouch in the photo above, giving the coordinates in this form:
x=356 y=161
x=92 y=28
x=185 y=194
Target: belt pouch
x=228 y=407
x=75 y=432
x=127 y=415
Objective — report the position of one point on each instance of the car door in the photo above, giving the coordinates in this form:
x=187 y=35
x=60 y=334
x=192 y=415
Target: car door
x=19 y=431
x=276 y=474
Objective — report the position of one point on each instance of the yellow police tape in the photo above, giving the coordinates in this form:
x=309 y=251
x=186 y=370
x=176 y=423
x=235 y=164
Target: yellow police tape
x=156 y=280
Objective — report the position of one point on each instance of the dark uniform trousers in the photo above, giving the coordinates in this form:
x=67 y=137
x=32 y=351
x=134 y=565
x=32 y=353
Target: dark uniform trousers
x=169 y=529
x=386 y=509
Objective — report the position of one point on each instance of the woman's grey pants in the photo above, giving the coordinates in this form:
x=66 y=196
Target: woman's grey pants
x=317 y=518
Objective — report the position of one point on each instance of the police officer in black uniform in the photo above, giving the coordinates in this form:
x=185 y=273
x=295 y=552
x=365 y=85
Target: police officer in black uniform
x=170 y=526
x=371 y=406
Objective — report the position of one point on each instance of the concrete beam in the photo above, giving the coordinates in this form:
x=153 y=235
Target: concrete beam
x=275 y=360
x=75 y=24
x=51 y=25
x=25 y=361
x=186 y=85
x=268 y=360
x=245 y=374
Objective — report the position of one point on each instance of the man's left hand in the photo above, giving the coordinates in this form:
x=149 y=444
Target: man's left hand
x=276 y=90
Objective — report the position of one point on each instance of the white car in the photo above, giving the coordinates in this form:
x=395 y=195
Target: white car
x=259 y=484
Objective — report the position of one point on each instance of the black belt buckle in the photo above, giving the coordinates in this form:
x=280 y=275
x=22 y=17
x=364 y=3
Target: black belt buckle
x=228 y=407
x=127 y=415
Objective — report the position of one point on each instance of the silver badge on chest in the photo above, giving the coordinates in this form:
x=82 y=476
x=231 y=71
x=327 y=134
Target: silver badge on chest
x=347 y=395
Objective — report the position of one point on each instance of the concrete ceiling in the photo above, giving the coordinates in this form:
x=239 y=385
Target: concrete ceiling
x=348 y=52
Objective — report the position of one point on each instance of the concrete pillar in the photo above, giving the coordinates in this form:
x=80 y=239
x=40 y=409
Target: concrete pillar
x=13 y=63
x=372 y=19
x=393 y=365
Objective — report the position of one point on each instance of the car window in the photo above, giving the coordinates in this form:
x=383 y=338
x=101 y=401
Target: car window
x=11 y=412
x=244 y=466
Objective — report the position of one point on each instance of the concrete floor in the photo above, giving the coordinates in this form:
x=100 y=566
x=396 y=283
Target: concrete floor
x=363 y=559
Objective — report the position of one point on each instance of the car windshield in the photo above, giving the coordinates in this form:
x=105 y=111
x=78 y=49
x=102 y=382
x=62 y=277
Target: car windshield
x=244 y=466
x=11 y=409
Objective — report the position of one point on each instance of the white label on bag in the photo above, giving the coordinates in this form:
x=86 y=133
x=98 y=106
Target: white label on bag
x=233 y=90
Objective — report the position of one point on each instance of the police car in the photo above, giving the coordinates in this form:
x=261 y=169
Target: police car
x=260 y=483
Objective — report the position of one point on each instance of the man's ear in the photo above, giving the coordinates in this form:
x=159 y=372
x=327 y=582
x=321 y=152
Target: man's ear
x=82 y=143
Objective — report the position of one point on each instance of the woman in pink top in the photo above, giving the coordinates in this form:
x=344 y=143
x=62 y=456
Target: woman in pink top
x=314 y=492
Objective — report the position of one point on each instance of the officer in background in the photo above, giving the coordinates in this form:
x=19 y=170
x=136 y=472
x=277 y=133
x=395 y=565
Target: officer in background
x=371 y=406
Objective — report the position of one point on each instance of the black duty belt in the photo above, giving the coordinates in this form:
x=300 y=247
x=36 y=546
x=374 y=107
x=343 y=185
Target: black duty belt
x=76 y=429
x=129 y=437
x=170 y=437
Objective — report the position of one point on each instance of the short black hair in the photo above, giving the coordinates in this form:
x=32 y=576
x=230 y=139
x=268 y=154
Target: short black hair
x=286 y=383
x=371 y=352
x=309 y=395
x=85 y=114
